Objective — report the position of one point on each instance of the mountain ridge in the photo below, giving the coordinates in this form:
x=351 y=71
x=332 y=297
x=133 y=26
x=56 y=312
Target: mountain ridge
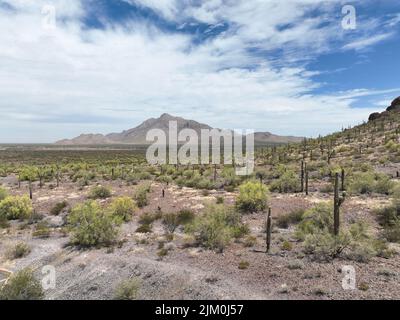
x=137 y=135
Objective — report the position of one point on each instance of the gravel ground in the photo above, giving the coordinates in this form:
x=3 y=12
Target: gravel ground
x=194 y=273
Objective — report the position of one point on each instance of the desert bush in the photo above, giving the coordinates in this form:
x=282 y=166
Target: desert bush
x=392 y=146
x=216 y=227
x=149 y=218
x=99 y=192
x=144 y=228
x=316 y=229
x=368 y=182
x=127 y=290
x=13 y=208
x=220 y=200
x=288 y=182
x=141 y=195
x=122 y=208
x=58 y=208
x=170 y=222
x=389 y=218
x=3 y=222
x=162 y=253
x=253 y=197
x=185 y=216
x=293 y=217
x=316 y=219
x=42 y=230
x=22 y=286
x=243 y=265
x=18 y=251
x=250 y=241
x=91 y=226
x=3 y=193
x=286 y=246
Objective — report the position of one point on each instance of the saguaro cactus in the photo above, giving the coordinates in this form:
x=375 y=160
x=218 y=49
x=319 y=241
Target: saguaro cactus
x=343 y=177
x=337 y=202
x=302 y=176
x=268 y=230
x=306 y=172
x=30 y=190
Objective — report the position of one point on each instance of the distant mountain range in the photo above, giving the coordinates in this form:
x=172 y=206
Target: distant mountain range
x=137 y=135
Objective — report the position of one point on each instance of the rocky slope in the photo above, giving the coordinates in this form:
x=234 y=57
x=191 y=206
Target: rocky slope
x=394 y=107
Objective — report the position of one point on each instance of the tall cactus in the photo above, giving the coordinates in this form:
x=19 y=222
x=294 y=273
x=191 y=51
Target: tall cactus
x=306 y=172
x=268 y=230
x=302 y=176
x=30 y=190
x=337 y=202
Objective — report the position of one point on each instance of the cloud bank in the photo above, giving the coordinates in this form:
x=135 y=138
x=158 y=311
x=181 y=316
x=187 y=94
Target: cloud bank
x=248 y=67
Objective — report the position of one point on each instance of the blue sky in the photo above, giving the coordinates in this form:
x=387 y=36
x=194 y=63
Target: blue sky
x=287 y=67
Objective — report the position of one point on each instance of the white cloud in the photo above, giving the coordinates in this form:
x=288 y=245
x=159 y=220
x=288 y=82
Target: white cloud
x=59 y=84
x=368 y=41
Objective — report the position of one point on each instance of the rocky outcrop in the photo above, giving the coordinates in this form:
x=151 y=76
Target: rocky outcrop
x=394 y=107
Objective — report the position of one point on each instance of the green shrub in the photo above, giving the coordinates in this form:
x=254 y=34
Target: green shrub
x=3 y=193
x=127 y=290
x=162 y=252
x=22 y=286
x=286 y=246
x=220 y=200
x=185 y=216
x=91 y=226
x=250 y=241
x=253 y=197
x=389 y=218
x=318 y=218
x=13 y=208
x=324 y=245
x=171 y=222
x=99 y=192
x=216 y=227
x=368 y=182
x=122 y=208
x=141 y=195
x=42 y=230
x=316 y=229
x=144 y=228
x=293 y=217
x=3 y=222
x=58 y=208
x=20 y=250
x=243 y=265
x=149 y=218
x=288 y=182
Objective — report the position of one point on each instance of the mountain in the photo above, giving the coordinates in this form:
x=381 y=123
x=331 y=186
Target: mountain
x=268 y=138
x=394 y=107
x=137 y=135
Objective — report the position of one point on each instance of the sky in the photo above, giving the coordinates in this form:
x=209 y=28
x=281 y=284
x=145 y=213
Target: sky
x=288 y=67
